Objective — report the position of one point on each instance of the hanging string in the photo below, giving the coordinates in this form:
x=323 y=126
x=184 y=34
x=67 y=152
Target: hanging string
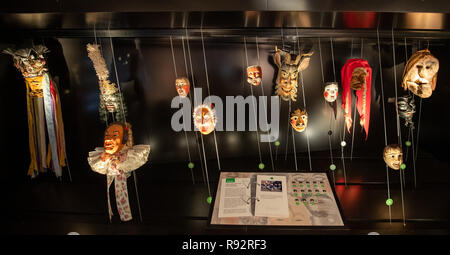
x=293 y=142
x=304 y=105
x=384 y=121
x=264 y=103
x=354 y=112
x=254 y=110
x=205 y=168
x=342 y=138
x=179 y=102
x=207 y=84
x=332 y=58
x=287 y=131
x=123 y=112
x=418 y=124
x=399 y=134
x=325 y=105
x=292 y=132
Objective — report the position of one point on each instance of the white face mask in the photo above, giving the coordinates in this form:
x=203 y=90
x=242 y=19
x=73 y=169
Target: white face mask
x=330 y=92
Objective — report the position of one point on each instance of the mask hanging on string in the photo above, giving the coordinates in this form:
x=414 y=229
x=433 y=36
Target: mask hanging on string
x=299 y=120
x=420 y=74
x=356 y=75
x=288 y=69
x=330 y=93
x=182 y=85
x=111 y=100
x=117 y=159
x=44 y=111
x=204 y=119
x=406 y=109
x=254 y=75
x=393 y=156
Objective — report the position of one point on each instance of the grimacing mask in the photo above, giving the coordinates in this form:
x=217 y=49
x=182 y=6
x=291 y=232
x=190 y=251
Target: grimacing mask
x=287 y=78
x=330 y=92
x=393 y=156
x=113 y=141
x=183 y=85
x=204 y=119
x=254 y=75
x=420 y=74
x=299 y=120
x=358 y=78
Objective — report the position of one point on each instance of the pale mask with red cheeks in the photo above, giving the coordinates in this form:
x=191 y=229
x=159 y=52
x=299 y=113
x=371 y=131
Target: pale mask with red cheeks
x=254 y=74
x=183 y=85
x=330 y=92
x=113 y=142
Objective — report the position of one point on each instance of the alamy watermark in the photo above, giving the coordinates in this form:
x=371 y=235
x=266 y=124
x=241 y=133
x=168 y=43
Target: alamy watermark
x=182 y=119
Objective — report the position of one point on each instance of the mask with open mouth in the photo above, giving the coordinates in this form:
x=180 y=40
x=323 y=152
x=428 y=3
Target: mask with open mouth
x=183 y=85
x=114 y=138
x=287 y=78
x=299 y=120
x=204 y=119
x=420 y=74
x=393 y=156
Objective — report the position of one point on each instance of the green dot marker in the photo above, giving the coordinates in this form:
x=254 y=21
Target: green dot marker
x=261 y=166
x=277 y=143
x=208 y=200
x=297 y=203
x=408 y=143
x=191 y=165
x=294 y=185
x=403 y=166
x=271 y=178
x=295 y=194
x=389 y=202
x=332 y=167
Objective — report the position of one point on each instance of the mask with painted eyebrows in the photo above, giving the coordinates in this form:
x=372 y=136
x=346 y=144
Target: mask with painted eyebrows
x=393 y=156
x=182 y=85
x=113 y=141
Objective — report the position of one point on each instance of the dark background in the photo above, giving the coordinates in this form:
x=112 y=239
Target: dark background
x=171 y=197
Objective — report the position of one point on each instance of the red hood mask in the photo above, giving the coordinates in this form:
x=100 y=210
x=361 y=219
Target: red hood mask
x=357 y=74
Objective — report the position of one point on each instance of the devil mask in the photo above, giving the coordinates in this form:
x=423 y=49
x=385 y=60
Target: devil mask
x=32 y=64
x=357 y=75
x=420 y=74
x=204 y=119
x=299 y=120
x=254 y=75
x=183 y=85
x=393 y=156
x=287 y=78
x=330 y=92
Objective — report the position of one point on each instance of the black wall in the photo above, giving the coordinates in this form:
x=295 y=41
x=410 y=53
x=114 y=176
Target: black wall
x=147 y=81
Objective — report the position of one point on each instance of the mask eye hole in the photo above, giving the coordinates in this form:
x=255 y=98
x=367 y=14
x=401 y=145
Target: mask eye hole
x=304 y=117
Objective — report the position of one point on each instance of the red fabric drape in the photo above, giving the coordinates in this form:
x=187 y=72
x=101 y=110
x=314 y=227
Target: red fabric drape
x=363 y=106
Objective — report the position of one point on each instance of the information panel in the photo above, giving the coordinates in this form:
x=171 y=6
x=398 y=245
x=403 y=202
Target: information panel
x=278 y=199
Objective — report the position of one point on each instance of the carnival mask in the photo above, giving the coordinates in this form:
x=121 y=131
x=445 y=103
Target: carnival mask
x=299 y=120
x=406 y=109
x=287 y=78
x=114 y=138
x=420 y=74
x=204 y=119
x=183 y=85
x=331 y=92
x=32 y=64
x=393 y=156
x=254 y=75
